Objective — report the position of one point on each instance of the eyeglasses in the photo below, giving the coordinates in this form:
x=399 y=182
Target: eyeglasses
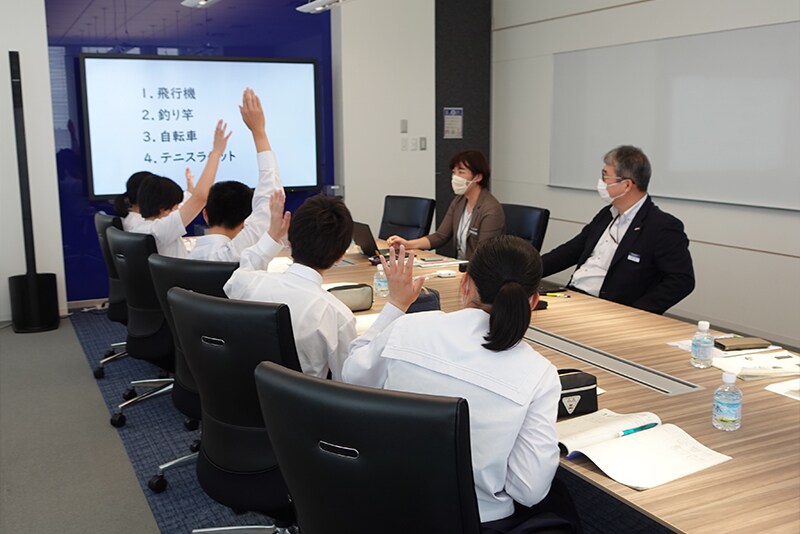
x=618 y=179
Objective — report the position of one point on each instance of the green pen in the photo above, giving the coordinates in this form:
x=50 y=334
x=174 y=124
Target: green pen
x=637 y=429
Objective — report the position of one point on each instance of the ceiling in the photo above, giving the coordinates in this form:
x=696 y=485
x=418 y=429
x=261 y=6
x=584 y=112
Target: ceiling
x=167 y=23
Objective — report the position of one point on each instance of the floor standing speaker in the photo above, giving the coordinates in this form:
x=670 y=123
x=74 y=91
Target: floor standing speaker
x=34 y=298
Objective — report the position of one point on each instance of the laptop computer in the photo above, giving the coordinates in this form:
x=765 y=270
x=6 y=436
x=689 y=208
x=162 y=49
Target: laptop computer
x=546 y=286
x=363 y=237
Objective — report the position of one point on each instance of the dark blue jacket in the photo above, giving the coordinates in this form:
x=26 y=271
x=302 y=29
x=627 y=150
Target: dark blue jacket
x=663 y=274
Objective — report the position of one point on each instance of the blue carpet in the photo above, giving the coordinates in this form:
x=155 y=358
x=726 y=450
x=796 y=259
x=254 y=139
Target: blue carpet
x=153 y=434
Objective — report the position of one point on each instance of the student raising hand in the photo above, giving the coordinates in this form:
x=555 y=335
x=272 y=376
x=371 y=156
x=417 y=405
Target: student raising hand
x=279 y=219
x=403 y=287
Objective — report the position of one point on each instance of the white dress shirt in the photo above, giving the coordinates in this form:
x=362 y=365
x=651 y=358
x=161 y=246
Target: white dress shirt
x=513 y=396
x=218 y=247
x=167 y=231
x=131 y=221
x=589 y=277
x=323 y=326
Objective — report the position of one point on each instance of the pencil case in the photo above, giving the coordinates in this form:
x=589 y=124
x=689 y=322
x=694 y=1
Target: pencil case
x=740 y=343
x=578 y=393
x=357 y=297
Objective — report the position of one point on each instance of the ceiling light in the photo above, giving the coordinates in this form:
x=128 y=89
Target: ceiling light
x=198 y=3
x=317 y=6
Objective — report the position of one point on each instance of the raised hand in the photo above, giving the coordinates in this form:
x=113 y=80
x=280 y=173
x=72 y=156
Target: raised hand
x=279 y=219
x=221 y=137
x=403 y=287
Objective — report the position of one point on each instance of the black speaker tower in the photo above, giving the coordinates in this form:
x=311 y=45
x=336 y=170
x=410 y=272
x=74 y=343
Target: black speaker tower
x=34 y=299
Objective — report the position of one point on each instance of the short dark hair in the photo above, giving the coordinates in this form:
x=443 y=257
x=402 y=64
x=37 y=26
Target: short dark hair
x=506 y=271
x=123 y=203
x=156 y=194
x=229 y=204
x=320 y=232
x=630 y=162
x=475 y=161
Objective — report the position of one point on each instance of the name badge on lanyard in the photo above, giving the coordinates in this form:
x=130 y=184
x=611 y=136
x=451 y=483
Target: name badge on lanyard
x=473 y=231
x=635 y=258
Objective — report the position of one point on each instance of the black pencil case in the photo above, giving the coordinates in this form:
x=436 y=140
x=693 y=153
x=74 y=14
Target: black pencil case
x=578 y=393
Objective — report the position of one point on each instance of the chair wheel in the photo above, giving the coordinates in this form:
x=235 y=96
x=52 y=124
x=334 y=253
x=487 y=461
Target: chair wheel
x=99 y=372
x=191 y=424
x=118 y=420
x=158 y=483
x=129 y=394
x=195 y=446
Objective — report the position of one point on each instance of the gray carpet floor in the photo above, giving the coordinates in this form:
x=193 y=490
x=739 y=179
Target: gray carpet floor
x=62 y=466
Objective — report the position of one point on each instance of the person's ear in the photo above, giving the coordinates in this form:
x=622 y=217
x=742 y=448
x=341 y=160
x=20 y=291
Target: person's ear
x=534 y=300
x=205 y=216
x=477 y=178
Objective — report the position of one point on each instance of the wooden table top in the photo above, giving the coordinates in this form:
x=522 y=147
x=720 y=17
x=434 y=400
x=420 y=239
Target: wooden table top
x=758 y=491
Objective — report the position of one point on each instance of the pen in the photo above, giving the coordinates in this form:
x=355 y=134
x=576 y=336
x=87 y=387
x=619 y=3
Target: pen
x=562 y=295
x=637 y=429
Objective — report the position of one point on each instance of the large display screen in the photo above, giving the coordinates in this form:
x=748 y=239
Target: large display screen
x=158 y=114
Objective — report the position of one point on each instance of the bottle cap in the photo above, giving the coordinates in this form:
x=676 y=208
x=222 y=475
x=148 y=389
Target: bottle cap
x=703 y=325
x=729 y=378
x=380 y=267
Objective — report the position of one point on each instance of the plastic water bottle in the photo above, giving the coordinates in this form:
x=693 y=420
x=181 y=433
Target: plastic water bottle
x=380 y=283
x=702 y=346
x=727 y=413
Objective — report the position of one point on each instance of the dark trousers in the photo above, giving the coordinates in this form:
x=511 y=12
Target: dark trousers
x=555 y=513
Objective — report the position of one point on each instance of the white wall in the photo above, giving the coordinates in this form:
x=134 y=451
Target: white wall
x=23 y=28
x=383 y=71
x=747 y=260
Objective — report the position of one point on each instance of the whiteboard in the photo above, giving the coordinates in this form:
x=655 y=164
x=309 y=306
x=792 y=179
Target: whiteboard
x=717 y=114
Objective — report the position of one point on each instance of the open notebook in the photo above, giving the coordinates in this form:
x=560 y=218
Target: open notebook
x=642 y=459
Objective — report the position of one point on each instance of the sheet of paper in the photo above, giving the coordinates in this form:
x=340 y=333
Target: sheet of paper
x=652 y=457
x=789 y=388
x=761 y=365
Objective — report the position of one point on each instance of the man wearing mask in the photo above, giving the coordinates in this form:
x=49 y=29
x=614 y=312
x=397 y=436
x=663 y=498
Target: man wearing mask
x=631 y=252
x=474 y=214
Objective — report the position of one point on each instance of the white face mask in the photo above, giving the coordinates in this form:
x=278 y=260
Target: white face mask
x=460 y=185
x=602 y=190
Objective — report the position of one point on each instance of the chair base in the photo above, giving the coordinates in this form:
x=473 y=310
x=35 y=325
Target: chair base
x=254 y=529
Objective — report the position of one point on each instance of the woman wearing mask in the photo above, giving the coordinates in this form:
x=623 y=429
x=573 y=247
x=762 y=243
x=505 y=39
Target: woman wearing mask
x=474 y=214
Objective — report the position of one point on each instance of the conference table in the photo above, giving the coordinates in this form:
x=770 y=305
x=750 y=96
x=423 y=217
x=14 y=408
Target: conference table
x=757 y=491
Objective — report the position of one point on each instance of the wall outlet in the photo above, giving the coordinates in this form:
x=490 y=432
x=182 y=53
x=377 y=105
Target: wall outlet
x=403 y=125
x=413 y=143
x=404 y=144
x=423 y=143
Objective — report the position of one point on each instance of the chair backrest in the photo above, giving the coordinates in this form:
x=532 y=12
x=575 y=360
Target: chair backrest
x=364 y=460
x=408 y=217
x=527 y=222
x=130 y=251
x=206 y=277
x=223 y=342
x=117 y=309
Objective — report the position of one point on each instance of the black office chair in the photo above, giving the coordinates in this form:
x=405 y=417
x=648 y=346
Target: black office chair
x=527 y=222
x=207 y=277
x=117 y=307
x=223 y=342
x=149 y=337
x=408 y=217
x=362 y=460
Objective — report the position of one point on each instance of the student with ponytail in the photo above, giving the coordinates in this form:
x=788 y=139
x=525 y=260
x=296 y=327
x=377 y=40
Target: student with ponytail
x=126 y=205
x=478 y=354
